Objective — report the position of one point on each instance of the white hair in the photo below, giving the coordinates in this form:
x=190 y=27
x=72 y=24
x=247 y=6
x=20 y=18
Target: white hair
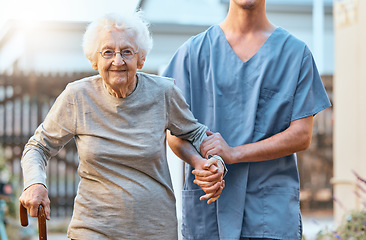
x=131 y=22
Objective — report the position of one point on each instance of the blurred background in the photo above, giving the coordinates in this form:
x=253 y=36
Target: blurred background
x=40 y=52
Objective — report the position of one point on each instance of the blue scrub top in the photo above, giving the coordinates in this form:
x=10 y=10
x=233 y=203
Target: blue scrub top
x=247 y=102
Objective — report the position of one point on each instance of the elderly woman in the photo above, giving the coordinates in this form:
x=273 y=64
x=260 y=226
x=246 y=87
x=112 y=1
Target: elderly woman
x=119 y=120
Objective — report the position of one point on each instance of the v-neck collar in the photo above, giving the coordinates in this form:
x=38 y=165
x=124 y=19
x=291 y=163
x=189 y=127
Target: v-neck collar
x=268 y=40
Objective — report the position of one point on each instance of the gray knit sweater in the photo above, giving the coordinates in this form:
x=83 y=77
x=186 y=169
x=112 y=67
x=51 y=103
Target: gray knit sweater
x=125 y=190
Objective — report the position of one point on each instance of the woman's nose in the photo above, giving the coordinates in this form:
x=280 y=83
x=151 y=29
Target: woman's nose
x=118 y=59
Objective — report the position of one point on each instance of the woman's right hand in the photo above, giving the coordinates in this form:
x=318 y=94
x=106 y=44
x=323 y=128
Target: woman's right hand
x=34 y=196
x=210 y=178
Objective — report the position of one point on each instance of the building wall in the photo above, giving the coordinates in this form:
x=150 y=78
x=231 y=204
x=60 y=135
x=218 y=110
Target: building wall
x=349 y=106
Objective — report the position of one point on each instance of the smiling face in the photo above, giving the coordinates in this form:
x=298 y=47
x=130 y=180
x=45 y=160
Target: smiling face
x=119 y=74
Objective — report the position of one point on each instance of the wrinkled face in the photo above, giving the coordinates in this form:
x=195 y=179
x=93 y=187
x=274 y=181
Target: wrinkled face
x=116 y=71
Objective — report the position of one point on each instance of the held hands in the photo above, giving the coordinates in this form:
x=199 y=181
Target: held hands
x=209 y=176
x=34 y=196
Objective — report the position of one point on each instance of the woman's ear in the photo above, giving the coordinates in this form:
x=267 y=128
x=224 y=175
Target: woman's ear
x=94 y=65
x=140 y=62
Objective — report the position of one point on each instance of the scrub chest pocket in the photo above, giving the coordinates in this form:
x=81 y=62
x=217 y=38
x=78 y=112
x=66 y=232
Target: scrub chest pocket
x=273 y=113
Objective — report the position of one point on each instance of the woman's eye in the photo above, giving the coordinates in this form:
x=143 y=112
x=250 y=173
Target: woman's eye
x=127 y=52
x=108 y=52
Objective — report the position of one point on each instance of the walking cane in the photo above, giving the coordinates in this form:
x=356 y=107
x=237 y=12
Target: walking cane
x=41 y=221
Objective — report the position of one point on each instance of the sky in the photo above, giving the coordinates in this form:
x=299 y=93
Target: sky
x=69 y=10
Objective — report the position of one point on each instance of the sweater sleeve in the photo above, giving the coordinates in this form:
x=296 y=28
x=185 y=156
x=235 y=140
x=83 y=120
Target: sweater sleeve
x=52 y=134
x=181 y=121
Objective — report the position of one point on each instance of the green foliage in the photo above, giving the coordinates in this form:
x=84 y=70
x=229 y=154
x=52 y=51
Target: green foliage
x=6 y=176
x=352 y=228
x=2 y=161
